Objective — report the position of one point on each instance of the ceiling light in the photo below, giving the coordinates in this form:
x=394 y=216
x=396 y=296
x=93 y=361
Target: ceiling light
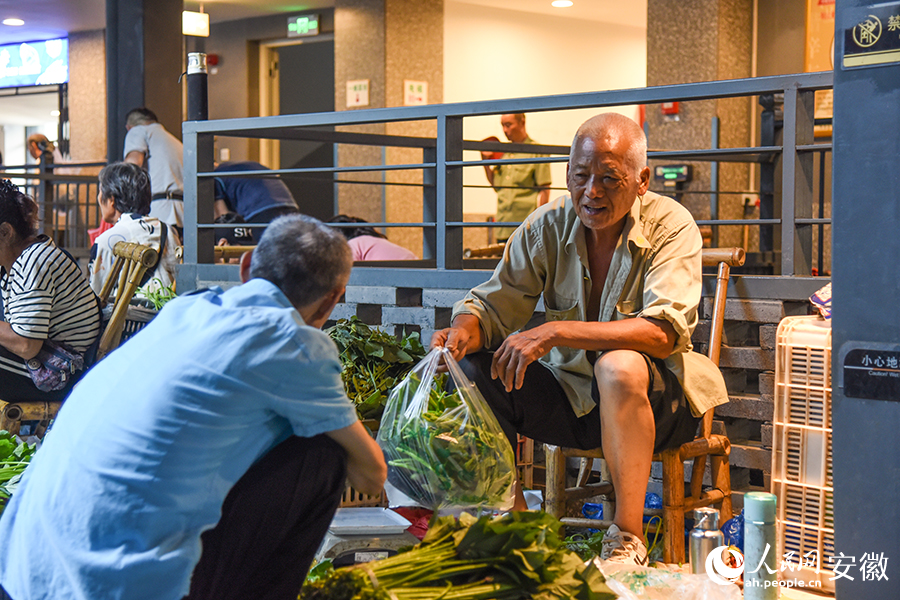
x=13 y=22
x=54 y=113
x=195 y=23
x=561 y=3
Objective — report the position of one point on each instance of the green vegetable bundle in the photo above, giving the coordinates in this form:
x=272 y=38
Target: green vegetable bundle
x=14 y=457
x=373 y=363
x=444 y=450
x=518 y=555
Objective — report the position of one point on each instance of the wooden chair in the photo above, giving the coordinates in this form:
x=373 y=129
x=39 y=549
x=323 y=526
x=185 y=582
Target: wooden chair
x=226 y=253
x=707 y=444
x=131 y=264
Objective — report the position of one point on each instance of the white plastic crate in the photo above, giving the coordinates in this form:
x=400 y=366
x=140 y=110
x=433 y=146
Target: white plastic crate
x=801 y=450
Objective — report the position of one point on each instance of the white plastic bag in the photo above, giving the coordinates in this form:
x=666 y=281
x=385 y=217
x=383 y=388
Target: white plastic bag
x=632 y=582
x=444 y=450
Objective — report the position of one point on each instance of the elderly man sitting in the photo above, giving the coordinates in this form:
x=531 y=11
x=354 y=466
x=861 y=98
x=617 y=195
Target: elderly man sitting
x=620 y=274
x=206 y=456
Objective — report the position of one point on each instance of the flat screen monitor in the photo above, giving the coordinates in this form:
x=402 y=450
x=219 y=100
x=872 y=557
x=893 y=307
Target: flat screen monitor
x=34 y=63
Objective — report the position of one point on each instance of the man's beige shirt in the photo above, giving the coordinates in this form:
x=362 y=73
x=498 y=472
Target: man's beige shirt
x=655 y=273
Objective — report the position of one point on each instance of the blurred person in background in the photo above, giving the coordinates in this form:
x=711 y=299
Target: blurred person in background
x=149 y=145
x=520 y=187
x=124 y=200
x=369 y=244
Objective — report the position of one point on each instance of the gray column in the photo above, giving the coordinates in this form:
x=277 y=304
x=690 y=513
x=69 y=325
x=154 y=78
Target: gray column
x=702 y=40
x=866 y=280
x=144 y=49
x=387 y=42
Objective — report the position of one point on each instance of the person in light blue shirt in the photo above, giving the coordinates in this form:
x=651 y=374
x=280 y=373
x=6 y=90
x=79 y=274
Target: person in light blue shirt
x=206 y=456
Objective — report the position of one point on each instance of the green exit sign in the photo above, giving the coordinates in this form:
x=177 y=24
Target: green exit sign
x=302 y=26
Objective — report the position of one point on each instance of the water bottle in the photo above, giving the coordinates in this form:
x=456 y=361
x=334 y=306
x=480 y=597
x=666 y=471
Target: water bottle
x=705 y=537
x=760 y=561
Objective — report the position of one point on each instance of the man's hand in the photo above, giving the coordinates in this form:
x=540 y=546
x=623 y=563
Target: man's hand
x=461 y=338
x=520 y=350
x=366 y=468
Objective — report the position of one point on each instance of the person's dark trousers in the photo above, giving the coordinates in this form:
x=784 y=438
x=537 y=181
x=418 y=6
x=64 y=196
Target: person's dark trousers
x=272 y=524
x=541 y=410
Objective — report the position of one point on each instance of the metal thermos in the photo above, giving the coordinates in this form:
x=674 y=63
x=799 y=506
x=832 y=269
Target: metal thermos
x=760 y=559
x=705 y=537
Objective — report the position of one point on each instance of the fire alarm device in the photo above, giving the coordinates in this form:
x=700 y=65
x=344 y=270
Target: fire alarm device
x=670 y=108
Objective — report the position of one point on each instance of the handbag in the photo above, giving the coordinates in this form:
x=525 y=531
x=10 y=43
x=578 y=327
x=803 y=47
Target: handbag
x=54 y=366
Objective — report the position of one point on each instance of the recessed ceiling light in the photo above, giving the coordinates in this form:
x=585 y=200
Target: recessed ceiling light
x=561 y=3
x=13 y=22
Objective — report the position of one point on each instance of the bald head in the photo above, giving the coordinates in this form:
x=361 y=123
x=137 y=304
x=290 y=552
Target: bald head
x=616 y=129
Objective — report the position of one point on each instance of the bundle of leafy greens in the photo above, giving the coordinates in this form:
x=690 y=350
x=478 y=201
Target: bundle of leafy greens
x=445 y=456
x=373 y=363
x=158 y=295
x=517 y=555
x=14 y=457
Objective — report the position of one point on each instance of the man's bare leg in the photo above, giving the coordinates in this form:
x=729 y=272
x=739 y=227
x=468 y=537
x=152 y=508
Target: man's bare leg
x=628 y=431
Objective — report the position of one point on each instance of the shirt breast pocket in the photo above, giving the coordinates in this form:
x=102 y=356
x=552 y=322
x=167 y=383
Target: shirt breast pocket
x=561 y=309
x=627 y=309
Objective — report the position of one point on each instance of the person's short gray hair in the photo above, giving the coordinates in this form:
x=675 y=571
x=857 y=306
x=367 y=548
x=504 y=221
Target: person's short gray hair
x=140 y=116
x=305 y=258
x=614 y=124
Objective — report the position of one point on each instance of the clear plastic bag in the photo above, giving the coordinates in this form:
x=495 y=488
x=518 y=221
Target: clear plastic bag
x=445 y=450
x=632 y=582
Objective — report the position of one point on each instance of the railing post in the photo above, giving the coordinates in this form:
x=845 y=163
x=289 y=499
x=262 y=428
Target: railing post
x=797 y=182
x=448 y=188
x=767 y=174
x=198 y=198
x=714 y=185
x=429 y=204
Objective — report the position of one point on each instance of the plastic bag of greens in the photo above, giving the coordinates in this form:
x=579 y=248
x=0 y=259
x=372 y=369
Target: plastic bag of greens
x=445 y=449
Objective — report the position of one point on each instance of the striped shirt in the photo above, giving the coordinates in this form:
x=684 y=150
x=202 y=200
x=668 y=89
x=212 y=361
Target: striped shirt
x=45 y=296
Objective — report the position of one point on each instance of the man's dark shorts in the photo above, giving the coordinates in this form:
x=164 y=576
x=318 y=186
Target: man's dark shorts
x=540 y=409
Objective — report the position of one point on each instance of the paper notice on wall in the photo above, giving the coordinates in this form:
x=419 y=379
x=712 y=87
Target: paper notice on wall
x=357 y=92
x=415 y=93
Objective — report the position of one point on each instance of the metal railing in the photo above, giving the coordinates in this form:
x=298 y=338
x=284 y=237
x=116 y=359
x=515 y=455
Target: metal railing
x=67 y=200
x=441 y=166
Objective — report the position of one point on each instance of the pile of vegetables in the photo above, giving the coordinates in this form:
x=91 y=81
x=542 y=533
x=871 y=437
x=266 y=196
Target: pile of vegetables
x=517 y=555
x=14 y=457
x=445 y=456
x=157 y=295
x=373 y=363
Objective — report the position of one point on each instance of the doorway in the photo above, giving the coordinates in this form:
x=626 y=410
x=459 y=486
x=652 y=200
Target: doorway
x=24 y=111
x=299 y=78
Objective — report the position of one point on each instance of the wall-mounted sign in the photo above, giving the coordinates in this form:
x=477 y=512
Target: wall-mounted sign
x=669 y=175
x=872 y=373
x=34 y=63
x=358 y=93
x=303 y=25
x=874 y=37
x=415 y=93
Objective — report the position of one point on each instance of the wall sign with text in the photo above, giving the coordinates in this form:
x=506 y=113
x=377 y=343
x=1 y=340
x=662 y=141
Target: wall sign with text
x=874 y=37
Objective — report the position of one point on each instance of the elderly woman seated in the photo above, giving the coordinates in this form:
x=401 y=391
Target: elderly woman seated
x=45 y=297
x=124 y=199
